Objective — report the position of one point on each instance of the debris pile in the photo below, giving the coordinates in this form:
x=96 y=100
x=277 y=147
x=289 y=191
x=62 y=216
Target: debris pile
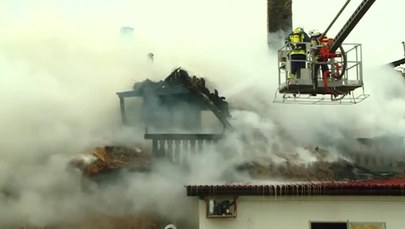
x=320 y=169
x=111 y=158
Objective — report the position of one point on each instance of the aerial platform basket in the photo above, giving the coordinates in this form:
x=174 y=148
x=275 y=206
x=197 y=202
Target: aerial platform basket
x=311 y=86
x=324 y=99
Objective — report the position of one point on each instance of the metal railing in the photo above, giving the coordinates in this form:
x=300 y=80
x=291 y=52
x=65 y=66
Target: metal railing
x=352 y=52
x=311 y=87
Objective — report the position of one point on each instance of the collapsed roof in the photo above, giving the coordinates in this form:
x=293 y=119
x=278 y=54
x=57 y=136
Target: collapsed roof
x=179 y=88
x=322 y=168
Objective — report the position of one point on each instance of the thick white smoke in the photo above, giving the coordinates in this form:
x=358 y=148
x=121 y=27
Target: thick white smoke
x=62 y=62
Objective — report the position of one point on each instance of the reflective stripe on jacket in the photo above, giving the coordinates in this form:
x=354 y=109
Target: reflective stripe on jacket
x=297 y=51
x=295 y=38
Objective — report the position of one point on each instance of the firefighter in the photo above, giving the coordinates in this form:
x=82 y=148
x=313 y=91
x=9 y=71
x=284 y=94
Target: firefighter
x=298 y=51
x=315 y=35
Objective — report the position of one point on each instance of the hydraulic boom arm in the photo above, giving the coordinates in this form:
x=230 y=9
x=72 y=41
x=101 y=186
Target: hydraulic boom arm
x=351 y=23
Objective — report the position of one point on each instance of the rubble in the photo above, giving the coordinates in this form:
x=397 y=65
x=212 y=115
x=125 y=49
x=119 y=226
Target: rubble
x=322 y=169
x=111 y=158
x=106 y=160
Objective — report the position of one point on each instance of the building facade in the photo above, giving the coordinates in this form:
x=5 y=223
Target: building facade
x=360 y=205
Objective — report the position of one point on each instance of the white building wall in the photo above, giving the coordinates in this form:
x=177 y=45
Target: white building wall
x=297 y=212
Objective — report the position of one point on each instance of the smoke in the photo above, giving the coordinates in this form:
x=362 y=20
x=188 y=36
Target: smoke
x=61 y=66
x=59 y=78
x=62 y=63
x=288 y=128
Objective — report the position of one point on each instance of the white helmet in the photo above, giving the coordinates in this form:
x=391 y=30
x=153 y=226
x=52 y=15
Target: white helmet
x=314 y=32
x=170 y=226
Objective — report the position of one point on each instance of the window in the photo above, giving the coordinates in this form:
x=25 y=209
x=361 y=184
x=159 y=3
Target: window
x=328 y=225
x=221 y=207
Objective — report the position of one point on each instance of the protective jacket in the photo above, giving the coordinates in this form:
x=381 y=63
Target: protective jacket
x=295 y=39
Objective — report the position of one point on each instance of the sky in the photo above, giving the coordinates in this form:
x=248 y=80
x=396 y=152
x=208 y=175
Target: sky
x=61 y=63
x=381 y=24
x=379 y=30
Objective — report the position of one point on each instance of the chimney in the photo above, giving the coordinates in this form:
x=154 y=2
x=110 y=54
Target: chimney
x=279 y=22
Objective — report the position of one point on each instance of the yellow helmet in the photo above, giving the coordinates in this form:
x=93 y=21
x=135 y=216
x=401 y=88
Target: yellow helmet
x=298 y=30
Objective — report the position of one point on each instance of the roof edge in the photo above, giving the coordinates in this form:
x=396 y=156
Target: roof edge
x=299 y=189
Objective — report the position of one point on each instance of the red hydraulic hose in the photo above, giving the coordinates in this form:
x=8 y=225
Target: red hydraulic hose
x=325 y=81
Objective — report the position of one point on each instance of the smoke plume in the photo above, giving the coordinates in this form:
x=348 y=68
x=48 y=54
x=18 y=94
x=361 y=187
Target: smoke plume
x=62 y=63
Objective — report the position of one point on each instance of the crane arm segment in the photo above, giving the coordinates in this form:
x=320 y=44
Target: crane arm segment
x=351 y=23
